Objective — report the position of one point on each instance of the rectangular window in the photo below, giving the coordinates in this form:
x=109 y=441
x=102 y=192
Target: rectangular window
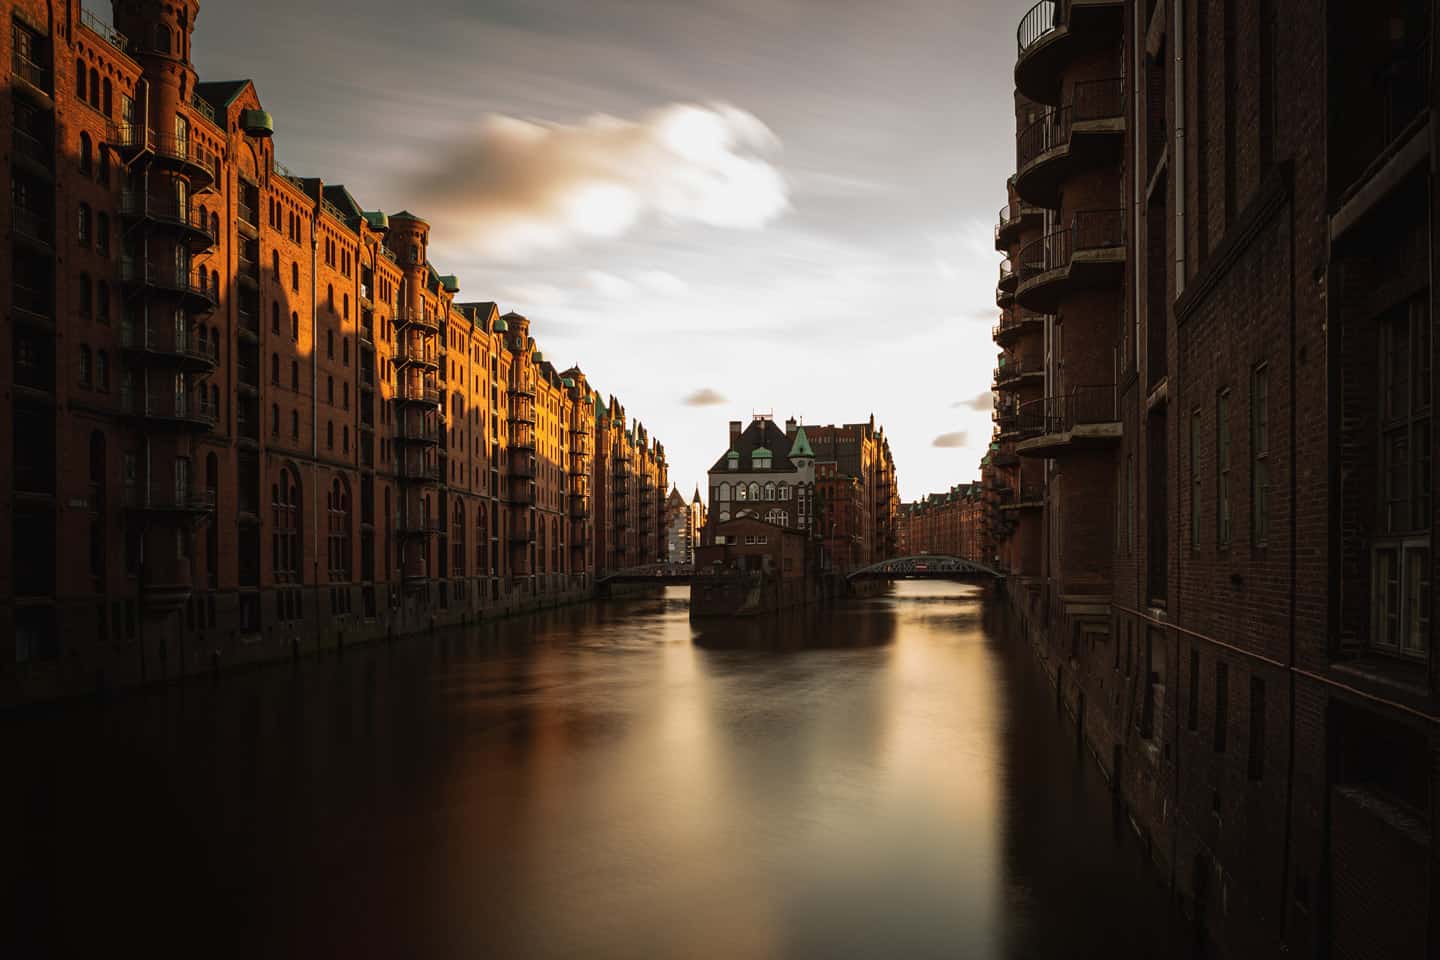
x=1195 y=479
x=1257 y=728
x=1222 y=703
x=1260 y=454
x=1192 y=707
x=1222 y=468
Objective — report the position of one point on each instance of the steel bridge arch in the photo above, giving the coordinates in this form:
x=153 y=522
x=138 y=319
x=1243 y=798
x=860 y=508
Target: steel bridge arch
x=927 y=565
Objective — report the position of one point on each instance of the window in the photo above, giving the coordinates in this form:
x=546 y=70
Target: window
x=107 y=94
x=275 y=419
x=1222 y=468
x=295 y=375
x=87 y=307
x=102 y=234
x=82 y=231
x=1256 y=757
x=94 y=99
x=329 y=435
x=275 y=318
x=85 y=153
x=295 y=326
x=285 y=522
x=102 y=370
x=85 y=377
x=1400 y=567
x=723 y=492
x=1259 y=454
x=330 y=390
x=79 y=78
x=1195 y=479
x=330 y=344
x=295 y=277
x=741 y=492
x=162 y=39
x=1222 y=703
x=295 y=424
x=338 y=526
x=1192 y=707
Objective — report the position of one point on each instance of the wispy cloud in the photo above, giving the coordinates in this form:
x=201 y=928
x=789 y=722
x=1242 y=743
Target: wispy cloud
x=704 y=397
x=608 y=285
x=957 y=438
x=516 y=187
x=981 y=401
x=663 y=283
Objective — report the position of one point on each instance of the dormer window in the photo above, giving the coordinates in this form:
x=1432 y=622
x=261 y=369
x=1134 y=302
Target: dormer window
x=732 y=460
x=761 y=460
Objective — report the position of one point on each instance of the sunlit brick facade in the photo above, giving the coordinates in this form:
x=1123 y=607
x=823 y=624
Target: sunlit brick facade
x=952 y=524
x=245 y=417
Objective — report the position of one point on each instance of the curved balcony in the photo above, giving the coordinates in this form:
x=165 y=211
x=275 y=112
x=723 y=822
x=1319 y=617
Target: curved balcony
x=523 y=495
x=1007 y=279
x=418 y=527
x=168 y=279
x=1013 y=218
x=1089 y=252
x=579 y=506
x=523 y=466
x=417 y=320
x=413 y=355
x=1030 y=496
x=187 y=157
x=179 y=350
x=522 y=535
x=1050 y=33
x=1086 y=131
x=421 y=472
x=427 y=395
x=1011 y=374
x=185 y=506
x=185 y=221
x=419 y=434
x=1015 y=324
x=131 y=139
x=181 y=413
x=1084 y=418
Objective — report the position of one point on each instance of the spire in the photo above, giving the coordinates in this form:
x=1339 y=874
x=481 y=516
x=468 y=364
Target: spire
x=801 y=446
x=697 y=494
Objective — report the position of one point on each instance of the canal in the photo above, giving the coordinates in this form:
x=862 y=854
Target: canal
x=887 y=779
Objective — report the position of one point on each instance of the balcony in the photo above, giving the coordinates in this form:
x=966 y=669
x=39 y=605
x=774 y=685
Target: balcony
x=35 y=227
x=421 y=472
x=523 y=495
x=1015 y=324
x=522 y=535
x=579 y=506
x=104 y=31
x=411 y=354
x=1089 y=252
x=1012 y=373
x=35 y=149
x=1086 y=131
x=166 y=278
x=247 y=271
x=1049 y=34
x=34 y=77
x=187 y=220
x=179 y=350
x=187 y=157
x=1031 y=496
x=425 y=433
x=183 y=413
x=1084 y=418
x=418 y=526
x=523 y=466
x=32 y=306
x=417 y=320
x=1013 y=218
x=246 y=220
x=185 y=504
x=427 y=395
x=131 y=139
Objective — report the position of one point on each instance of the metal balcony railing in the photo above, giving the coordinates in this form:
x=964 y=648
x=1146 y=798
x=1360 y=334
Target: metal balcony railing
x=1088 y=230
x=38 y=304
x=1013 y=320
x=33 y=147
x=1081 y=406
x=1037 y=23
x=31 y=72
x=1048 y=133
x=165 y=496
x=1007 y=274
x=164 y=275
x=104 y=30
x=32 y=224
x=136 y=203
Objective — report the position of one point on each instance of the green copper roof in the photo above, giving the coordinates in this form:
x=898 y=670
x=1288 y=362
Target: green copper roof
x=500 y=325
x=450 y=283
x=567 y=382
x=537 y=356
x=733 y=455
x=801 y=445
x=377 y=219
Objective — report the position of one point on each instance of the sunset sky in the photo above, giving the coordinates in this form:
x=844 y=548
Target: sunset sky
x=715 y=206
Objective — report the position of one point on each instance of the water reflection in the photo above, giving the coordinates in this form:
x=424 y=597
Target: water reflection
x=887 y=780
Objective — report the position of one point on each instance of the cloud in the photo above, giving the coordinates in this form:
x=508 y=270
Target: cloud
x=608 y=285
x=663 y=283
x=515 y=187
x=704 y=397
x=957 y=438
x=983 y=401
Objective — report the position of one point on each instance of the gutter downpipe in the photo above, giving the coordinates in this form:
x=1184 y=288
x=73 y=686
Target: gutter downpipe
x=315 y=410
x=1176 y=30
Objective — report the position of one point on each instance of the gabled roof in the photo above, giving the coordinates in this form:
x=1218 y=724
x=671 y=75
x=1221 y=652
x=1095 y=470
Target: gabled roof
x=221 y=93
x=407 y=215
x=762 y=436
x=801 y=445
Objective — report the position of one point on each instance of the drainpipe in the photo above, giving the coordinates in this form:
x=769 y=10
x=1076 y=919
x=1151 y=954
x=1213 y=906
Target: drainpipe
x=315 y=417
x=1177 y=29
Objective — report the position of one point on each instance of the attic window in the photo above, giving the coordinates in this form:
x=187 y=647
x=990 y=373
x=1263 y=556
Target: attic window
x=762 y=460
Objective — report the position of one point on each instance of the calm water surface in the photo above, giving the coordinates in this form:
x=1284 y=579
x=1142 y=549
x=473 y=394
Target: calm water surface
x=886 y=780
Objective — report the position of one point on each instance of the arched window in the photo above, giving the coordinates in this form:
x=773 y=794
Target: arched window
x=275 y=368
x=106 y=96
x=104 y=175
x=754 y=491
x=275 y=318
x=95 y=88
x=330 y=390
x=457 y=539
x=345 y=439
x=275 y=419
x=87 y=309
x=214 y=281
x=285 y=522
x=339 y=529
x=275 y=264
x=345 y=350
x=82 y=227
x=295 y=277
x=330 y=296
x=770 y=491
x=540 y=548
x=724 y=492
x=345 y=393
x=214 y=400
x=346 y=302
x=102 y=370
x=295 y=424
x=102 y=234
x=294 y=375
x=162 y=39
x=215 y=229
x=295 y=326
x=741 y=492
x=330 y=344
x=480 y=539
x=784 y=491
x=85 y=377
x=554 y=545
x=329 y=434
x=85 y=152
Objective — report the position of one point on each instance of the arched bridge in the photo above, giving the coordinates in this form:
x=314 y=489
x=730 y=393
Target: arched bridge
x=925 y=567
x=649 y=573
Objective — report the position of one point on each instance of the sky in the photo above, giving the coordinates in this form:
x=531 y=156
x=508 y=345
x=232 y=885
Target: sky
x=716 y=207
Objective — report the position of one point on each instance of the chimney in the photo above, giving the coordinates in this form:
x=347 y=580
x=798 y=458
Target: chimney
x=734 y=434
x=790 y=427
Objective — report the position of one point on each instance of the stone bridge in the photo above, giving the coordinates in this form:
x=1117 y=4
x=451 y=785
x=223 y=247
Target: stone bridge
x=649 y=573
x=926 y=567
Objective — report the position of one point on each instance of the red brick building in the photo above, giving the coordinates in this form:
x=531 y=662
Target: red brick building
x=955 y=523
x=1221 y=228
x=244 y=417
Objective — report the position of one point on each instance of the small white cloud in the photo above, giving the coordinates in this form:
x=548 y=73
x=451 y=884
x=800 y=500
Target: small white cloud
x=608 y=285
x=663 y=283
x=515 y=187
x=704 y=397
x=983 y=401
x=528 y=296
x=956 y=439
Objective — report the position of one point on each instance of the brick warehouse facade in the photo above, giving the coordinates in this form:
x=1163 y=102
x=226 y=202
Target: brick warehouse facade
x=1220 y=238
x=246 y=418
x=955 y=523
